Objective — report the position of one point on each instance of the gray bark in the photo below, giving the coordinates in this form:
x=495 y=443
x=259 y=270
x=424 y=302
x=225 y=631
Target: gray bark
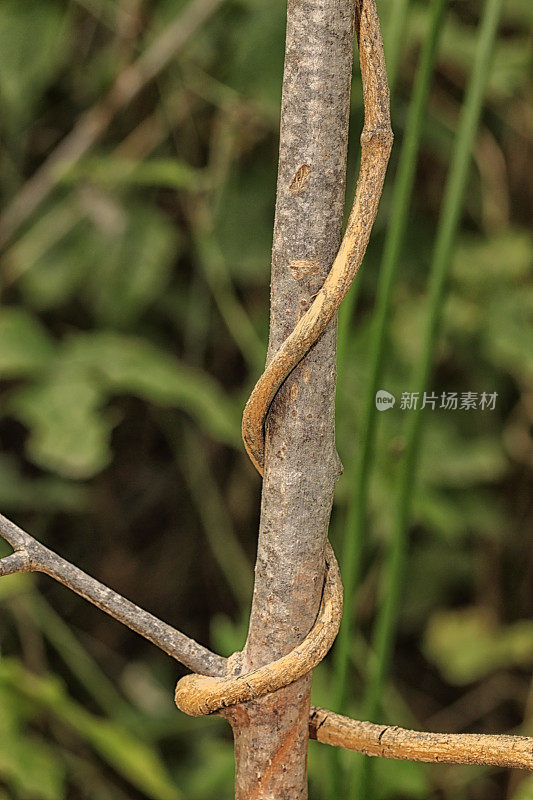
x=301 y=465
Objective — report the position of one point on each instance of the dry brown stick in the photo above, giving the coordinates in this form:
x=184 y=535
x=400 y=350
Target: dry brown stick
x=94 y=122
x=389 y=741
x=301 y=466
x=31 y=556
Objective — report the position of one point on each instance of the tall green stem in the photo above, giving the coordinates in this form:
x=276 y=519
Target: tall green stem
x=384 y=632
x=399 y=217
x=403 y=187
x=394 y=38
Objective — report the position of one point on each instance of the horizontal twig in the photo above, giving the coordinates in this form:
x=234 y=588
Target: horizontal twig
x=31 y=556
x=514 y=752
x=389 y=741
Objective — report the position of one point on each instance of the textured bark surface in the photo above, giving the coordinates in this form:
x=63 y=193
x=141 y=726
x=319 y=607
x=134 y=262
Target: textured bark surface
x=200 y=694
x=301 y=465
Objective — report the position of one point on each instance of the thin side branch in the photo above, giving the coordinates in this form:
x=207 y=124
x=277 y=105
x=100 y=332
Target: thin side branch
x=514 y=752
x=31 y=556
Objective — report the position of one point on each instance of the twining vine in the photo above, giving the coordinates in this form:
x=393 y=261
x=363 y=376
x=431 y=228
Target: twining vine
x=217 y=684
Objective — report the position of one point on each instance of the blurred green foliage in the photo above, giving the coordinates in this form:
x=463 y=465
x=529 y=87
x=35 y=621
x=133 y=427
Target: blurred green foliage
x=133 y=324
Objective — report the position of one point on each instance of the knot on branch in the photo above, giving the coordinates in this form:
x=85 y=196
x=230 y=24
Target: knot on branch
x=198 y=695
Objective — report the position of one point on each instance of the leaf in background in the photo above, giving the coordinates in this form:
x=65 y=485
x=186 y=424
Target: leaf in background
x=112 y=171
x=32 y=769
x=135 y=760
x=15 y=710
x=443 y=570
x=29 y=767
x=508 y=333
x=510 y=68
x=519 y=12
x=14 y=585
x=204 y=784
x=131 y=267
x=18 y=492
x=227 y=635
x=68 y=431
x=449 y=459
x=118 y=269
x=130 y=365
x=25 y=346
x=481 y=264
x=467 y=645
x=33 y=43
x=524 y=790
x=52 y=271
x=393 y=779
x=457 y=463
x=462 y=319
x=454 y=516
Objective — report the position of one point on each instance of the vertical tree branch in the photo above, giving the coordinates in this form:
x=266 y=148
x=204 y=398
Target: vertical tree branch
x=301 y=465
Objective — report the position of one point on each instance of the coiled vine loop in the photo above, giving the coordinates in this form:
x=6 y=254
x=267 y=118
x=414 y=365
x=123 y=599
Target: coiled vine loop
x=196 y=694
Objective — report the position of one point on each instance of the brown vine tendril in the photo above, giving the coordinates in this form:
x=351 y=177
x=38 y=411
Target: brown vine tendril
x=216 y=683
x=197 y=694
x=376 y=144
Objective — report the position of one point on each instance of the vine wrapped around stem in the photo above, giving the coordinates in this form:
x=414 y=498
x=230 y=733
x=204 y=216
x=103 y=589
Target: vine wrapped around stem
x=390 y=742
x=218 y=690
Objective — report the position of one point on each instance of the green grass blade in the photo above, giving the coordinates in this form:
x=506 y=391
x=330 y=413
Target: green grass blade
x=216 y=522
x=346 y=313
x=79 y=662
x=442 y=252
x=403 y=187
x=394 y=38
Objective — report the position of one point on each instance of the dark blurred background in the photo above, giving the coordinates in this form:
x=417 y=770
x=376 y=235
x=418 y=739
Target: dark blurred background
x=134 y=274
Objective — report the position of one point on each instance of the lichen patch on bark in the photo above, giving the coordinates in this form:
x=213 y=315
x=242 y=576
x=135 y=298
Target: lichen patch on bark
x=300 y=179
x=303 y=268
